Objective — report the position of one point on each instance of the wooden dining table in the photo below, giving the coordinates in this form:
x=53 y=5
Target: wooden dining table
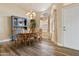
x=25 y=39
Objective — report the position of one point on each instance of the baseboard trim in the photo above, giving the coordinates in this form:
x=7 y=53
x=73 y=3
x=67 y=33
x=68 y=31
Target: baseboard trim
x=57 y=43
x=2 y=41
x=61 y=45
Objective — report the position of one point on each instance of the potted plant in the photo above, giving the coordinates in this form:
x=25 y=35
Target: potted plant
x=32 y=25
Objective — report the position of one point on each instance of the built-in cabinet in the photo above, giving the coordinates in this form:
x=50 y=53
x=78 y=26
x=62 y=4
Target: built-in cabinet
x=19 y=25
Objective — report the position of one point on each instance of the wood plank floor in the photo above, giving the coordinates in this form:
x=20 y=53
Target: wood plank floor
x=43 y=48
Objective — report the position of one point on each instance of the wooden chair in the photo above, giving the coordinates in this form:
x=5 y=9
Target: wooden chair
x=26 y=39
x=39 y=35
x=20 y=40
x=30 y=39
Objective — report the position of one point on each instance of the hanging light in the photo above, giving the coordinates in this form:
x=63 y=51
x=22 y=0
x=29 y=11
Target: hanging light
x=31 y=14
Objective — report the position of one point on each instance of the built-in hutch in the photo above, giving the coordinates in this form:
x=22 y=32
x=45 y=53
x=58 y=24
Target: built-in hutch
x=19 y=25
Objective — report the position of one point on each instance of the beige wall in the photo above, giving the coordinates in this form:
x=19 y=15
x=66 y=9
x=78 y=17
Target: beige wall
x=6 y=27
x=58 y=15
x=6 y=11
x=56 y=34
x=59 y=23
x=38 y=19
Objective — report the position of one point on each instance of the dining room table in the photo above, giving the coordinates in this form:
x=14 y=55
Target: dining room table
x=25 y=39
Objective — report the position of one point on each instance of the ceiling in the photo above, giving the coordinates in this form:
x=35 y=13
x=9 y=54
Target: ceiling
x=35 y=6
x=30 y=6
x=38 y=7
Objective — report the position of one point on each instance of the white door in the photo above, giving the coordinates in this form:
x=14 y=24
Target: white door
x=70 y=27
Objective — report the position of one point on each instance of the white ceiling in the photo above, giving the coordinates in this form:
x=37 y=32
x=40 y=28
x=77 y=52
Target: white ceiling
x=35 y=6
x=30 y=6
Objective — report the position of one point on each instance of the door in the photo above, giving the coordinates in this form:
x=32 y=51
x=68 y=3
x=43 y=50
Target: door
x=70 y=26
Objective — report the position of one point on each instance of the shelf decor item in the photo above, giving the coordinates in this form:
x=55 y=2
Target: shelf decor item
x=20 y=22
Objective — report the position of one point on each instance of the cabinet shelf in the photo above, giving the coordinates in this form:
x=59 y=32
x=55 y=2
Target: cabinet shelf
x=20 y=26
